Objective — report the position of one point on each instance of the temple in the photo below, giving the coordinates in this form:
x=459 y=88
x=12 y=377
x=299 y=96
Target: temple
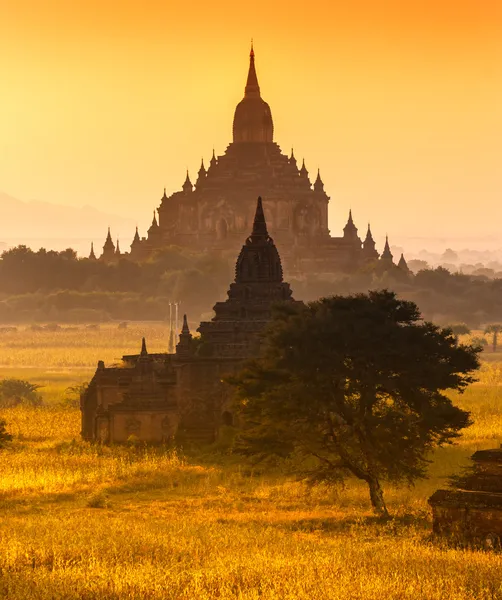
x=155 y=397
x=214 y=212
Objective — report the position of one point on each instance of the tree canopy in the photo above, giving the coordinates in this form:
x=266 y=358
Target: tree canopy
x=356 y=386
x=494 y=329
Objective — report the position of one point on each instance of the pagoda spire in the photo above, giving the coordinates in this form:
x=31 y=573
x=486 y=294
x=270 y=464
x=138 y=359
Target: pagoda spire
x=202 y=169
x=369 y=236
x=201 y=174
x=92 y=255
x=318 y=184
x=144 y=351
x=252 y=88
x=108 y=248
x=259 y=223
x=350 y=230
x=402 y=264
x=184 y=347
x=154 y=220
x=369 y=250
x=164 y=197
x=136 y=236
x=292 y=159
x=213 y=161
x=187 y=186
x=387 y=254
x=185 y=329
x=303 y=170
x=258 y=260
x=117 y=248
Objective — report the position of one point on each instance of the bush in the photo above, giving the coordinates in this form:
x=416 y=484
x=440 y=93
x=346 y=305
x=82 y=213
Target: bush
x=14 y=392
x=72 y=395
x=98 y=500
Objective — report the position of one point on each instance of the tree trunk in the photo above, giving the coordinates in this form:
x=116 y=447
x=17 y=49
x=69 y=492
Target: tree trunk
x=376 y=497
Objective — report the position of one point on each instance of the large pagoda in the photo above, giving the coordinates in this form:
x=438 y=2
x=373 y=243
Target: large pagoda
x=216 y=212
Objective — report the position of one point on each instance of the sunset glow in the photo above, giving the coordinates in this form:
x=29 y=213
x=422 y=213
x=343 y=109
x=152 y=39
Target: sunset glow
x=399 y=103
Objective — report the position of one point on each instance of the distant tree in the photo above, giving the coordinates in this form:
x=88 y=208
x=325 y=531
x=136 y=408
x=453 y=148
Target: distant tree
x=17 y=391
x=450 y=255
x=416 y=265
x=356 y=385
x=494 y=329
x=4 y=436
x=459 y=329
x=477 y=340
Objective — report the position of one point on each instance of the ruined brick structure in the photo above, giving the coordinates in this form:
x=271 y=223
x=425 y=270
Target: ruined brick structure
x=472 y=509
x=216 y=212
x=153 y=397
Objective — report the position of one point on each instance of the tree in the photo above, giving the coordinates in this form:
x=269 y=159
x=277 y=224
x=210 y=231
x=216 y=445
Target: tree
x=459 y=329
x=17 y=391
x=356 y=386
x=494 y=329
x=4 y=436
x=477 y=340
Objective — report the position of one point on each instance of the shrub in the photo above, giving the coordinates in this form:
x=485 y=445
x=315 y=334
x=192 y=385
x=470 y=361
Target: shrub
x=98 y=500
x=72 y=395
x=14 y=392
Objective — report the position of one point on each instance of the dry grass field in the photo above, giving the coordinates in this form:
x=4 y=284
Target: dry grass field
x=90 y=522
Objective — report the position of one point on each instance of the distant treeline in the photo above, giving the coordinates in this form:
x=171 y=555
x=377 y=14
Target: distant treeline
x=49 y=286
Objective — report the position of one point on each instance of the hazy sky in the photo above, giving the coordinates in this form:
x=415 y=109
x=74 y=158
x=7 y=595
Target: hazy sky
x=399 y=102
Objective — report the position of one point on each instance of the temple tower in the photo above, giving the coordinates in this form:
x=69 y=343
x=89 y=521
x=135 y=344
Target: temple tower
x=369 y=250
x=108 y=249
x=252 y=118
x=387 y=257
x=258 y=285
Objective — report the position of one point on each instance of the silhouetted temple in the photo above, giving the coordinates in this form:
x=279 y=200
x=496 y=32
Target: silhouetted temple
x=217 y=211
x=155 y=396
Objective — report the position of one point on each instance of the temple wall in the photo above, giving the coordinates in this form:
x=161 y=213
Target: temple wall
x=151 y=426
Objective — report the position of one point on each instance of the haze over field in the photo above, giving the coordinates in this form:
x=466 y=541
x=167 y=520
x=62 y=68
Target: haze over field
x=399 y=104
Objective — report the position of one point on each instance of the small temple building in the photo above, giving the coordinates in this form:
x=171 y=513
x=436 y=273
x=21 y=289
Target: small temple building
x=471 y=510
x=155 y=397
x=215 y=210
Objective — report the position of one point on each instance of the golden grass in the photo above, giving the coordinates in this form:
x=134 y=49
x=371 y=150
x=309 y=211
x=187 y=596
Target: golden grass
x=76 y=346
x=79 y=521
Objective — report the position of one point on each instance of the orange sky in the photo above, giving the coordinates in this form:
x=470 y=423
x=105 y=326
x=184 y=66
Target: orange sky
x=398 y=101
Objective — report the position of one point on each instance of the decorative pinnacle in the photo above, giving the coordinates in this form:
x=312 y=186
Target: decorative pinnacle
x=369 y=238
x=202 y=170
x=252 y=88
x=144 y=351
x=185 y=329
x=187 y=186
x=213 y=160
x=259 y=223
x=136 y=236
